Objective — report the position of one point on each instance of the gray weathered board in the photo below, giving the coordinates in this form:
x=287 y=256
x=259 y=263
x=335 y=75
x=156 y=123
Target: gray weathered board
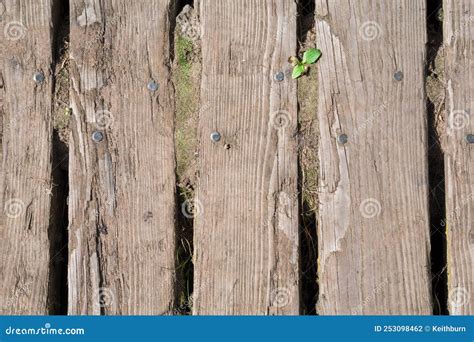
x=246 y=229
x=459 y=67
x=373 y=233
x=122 y=189
x=25 y=185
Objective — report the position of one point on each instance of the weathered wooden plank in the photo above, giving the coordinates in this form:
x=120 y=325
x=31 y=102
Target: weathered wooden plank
x=459 y=158
x=25 y=185
x=122 y=189
x=246 y=228
x=374 y=239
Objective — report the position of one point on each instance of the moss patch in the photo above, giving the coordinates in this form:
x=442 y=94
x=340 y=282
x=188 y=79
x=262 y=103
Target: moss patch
x=308 y=132
x=186 y=80
x=308 y=173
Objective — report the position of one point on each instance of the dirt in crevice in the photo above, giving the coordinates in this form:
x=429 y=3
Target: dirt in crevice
x=186 y=74
x=308 y=166
x=57 y=232
x=435 y=105
x=61 y=108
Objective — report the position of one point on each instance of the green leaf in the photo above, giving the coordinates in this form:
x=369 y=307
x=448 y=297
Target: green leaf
x=298 y=70
x=311 y=56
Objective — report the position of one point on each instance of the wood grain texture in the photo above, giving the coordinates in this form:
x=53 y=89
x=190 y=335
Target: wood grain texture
x=459 y=155
x=25 y=184
x=122 y=190
x=246 y=231
x=373 y=232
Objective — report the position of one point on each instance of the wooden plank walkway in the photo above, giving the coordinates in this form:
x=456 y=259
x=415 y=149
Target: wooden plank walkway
x=246 y=233
x=373 y=222
x=459 y=71
x=25 y=185
x=373 y=226
x=122 y=180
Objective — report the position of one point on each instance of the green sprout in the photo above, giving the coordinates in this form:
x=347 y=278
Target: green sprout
x=300 y=67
